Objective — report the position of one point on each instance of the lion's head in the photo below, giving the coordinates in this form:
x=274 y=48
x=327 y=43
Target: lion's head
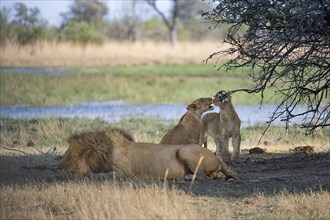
x=201 y=105
x=69 y=163
x=91 y=151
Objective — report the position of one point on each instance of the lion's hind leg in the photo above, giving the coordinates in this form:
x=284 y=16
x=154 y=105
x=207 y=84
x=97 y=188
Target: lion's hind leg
x=188 y=158
x=236 y=142
x=222 y=150
x=197 y=158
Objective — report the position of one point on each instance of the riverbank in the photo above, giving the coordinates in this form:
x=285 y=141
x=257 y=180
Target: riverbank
x=143 y=84
x=115 y=111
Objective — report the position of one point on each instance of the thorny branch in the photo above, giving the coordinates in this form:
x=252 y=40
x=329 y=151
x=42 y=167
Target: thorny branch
x=281 y=49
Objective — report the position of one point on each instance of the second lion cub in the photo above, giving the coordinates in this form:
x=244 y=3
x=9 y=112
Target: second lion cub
x=223 y=125
x=190 y=130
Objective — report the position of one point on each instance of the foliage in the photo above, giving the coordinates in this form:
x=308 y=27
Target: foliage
x=126 y=28
x=290 y=42
x=4 y=26
x=28 y=16
x=155 y=29
x=87 y=11
x=81 y=32
x=182 y=13
x=27 y=27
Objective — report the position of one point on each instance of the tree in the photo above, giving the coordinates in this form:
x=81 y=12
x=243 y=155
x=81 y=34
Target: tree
x=27 y=26
x=170 y=21
x=28 y=16
x=82 y=33
x=4 y=25
x=127 y=26
x=85 y=10
x=286 y=45
x=84 y=23
x=180 y=9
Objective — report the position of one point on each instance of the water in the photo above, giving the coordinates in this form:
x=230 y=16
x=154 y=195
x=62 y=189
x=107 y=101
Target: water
x=37 y=70
x=114 y=111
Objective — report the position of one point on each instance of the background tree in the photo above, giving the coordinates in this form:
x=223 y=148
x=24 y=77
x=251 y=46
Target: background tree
x=286 y=44
x=26 y=27
x=4 y=25
x=85 y=10
x=81 y=33
x=180 y=9
x=84 y=22
x=169 y=21
x=128 y=26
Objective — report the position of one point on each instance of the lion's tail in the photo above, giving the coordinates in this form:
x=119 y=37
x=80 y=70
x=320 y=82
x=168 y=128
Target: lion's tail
x=92 y=151
x=226 y=170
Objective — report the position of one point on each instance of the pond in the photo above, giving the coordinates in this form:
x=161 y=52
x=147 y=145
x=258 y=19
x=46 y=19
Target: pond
x=37 y=70
x=114 y=111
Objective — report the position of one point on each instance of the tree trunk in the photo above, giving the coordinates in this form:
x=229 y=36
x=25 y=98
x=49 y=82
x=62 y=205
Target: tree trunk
x=173 y=36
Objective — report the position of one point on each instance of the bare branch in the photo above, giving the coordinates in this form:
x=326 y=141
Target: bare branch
x=289 y=44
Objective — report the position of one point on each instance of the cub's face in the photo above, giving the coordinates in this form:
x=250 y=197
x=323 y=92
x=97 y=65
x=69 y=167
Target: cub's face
x=221 y=98
x=201 y=105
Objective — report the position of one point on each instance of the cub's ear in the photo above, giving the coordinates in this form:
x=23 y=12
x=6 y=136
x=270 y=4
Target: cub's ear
x=192 y=106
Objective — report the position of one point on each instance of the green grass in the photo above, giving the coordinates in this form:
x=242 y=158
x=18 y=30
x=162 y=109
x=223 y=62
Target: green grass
x=166 y=70
x=53 y=132
x=133 y=84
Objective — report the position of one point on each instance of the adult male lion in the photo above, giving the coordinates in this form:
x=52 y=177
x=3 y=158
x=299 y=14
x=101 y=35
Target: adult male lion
x=223 y=125
x=190 y=130
x=115 y=150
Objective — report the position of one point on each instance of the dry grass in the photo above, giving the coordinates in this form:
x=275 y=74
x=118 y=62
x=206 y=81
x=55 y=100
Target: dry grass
x=52 y=54
x=310 y=205
x=280 y=140
x=128 y=200
x=83 y=200
x=96 y=201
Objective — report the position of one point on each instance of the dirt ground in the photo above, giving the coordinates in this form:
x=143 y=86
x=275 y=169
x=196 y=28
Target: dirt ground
x=265 y=173
x=271 y=174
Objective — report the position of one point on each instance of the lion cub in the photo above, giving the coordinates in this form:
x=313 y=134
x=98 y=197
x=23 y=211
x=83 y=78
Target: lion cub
x=190 y=130
x=223 y=125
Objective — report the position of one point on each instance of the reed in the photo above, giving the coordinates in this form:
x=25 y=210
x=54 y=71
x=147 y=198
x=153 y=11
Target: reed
x=61 y=54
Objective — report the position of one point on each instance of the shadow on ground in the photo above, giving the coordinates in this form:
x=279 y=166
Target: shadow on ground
x=268 y=173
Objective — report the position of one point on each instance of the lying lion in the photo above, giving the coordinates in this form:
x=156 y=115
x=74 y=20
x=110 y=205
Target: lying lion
x=115 y=150
x=190 y=130
x=223 y=125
